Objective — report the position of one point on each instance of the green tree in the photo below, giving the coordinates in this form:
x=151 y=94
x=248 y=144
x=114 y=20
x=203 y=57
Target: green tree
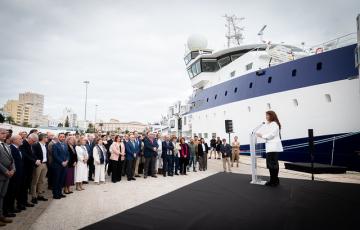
x=91 y=128
x=10 y=120
x=2 y=118
x=25 y=124
x=67 y=121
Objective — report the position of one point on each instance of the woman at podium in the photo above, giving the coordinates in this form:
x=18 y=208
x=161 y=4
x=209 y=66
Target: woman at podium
x=271 y=134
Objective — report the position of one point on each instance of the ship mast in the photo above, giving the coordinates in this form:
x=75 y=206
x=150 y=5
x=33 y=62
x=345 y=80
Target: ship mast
x=234 y=33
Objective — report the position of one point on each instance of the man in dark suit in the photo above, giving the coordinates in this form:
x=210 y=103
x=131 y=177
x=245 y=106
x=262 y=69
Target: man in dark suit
x=203 y=148
x=89 y=147
x=167 y=156
x=30 y=162
x=60 y=160
x=150 y=153
x=225 y=150
x=7 y=170
x=15 y=181
x=38 y=180
x=131 y=150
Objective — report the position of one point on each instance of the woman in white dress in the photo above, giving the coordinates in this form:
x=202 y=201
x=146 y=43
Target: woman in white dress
x=81 y=167
x=271 y=134
x=99 y=154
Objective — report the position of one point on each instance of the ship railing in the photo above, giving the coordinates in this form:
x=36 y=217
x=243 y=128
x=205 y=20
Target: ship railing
x=335 y=43
x=305 y=144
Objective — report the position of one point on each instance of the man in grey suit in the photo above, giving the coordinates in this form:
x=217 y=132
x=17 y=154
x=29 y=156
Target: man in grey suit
x=7 y=170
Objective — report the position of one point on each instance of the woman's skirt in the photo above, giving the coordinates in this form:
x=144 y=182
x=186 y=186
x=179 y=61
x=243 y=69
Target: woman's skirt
x=69 y=179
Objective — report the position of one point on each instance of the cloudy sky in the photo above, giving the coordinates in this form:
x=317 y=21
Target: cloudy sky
x=132 y=51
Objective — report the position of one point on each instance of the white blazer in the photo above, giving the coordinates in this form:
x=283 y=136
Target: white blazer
x=271 y=135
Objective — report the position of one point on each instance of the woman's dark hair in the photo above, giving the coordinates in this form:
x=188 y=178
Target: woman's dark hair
x=273 y=117
x=116 y=138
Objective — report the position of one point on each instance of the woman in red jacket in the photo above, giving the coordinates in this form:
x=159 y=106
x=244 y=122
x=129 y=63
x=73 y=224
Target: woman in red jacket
x=184 y=156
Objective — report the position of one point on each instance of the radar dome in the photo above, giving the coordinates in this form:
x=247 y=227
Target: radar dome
x=196 y=42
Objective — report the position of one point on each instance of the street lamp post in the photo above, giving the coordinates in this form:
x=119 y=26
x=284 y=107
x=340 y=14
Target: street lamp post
x=86 y=90
x=96 y=107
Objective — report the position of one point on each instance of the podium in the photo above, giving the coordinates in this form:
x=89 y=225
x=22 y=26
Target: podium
x=254 y=154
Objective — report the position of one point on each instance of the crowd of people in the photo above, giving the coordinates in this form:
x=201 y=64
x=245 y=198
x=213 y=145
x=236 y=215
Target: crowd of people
x=65 y=162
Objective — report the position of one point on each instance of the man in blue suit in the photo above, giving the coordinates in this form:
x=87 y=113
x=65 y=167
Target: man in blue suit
x=150 y=153
x=167 y=156
x=60 y=161
x=90 y=147
x=132 y=148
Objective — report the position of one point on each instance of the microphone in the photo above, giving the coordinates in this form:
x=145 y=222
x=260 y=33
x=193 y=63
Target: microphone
x=258 y=127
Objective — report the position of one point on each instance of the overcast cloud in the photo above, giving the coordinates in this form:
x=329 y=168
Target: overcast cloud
x=132 y=51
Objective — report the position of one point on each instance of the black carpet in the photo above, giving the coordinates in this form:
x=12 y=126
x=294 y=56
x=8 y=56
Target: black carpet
x=228 y=201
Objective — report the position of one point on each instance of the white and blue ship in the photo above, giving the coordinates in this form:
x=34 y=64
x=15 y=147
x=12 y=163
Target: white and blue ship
x=317 y=90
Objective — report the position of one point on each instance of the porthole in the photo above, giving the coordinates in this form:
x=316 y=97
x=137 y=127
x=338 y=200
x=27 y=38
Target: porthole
x=328 y=98
x=319 y=66
x=295 y=102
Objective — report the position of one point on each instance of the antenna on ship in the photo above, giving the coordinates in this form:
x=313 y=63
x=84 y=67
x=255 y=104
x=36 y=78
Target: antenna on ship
x=261 y=33
x=234 y=31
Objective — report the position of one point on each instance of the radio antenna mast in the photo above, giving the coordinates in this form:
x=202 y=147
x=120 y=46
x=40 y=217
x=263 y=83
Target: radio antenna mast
x=234 y=31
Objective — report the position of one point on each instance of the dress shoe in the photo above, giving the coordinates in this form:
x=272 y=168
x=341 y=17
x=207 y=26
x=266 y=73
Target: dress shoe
x=177 y=174
x=29 y=205
x=41 y=198
x=5 y=220
x=137 y=176
x=21 y=207
x=34 y=201
x=11 y=215
x=133 y=178
x=62 y=196
x=129 y=179
x=85 y=182
x=145 y=177
x=15 y=210
x=154 y=176
x=56 y=197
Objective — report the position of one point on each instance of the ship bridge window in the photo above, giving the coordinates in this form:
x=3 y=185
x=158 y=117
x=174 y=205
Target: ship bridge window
x=250 y=85
x=209 y=65
x=215 y=96
x=190 y=56
x=269 y=79
x=293 y=72
x=224 y=61
x=225 y=93
x=235 y=90
x=235 y=56
x=196 y=68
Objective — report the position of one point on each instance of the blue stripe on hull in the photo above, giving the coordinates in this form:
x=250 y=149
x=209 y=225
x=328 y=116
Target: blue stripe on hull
x=338 y=64
x=345 y=151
